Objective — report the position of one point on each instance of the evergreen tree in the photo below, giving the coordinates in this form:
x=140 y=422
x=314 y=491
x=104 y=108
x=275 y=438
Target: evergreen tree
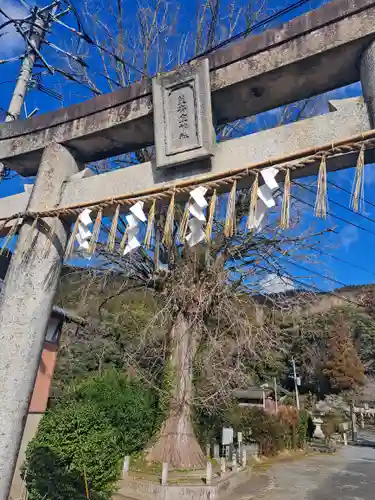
x=343 y=368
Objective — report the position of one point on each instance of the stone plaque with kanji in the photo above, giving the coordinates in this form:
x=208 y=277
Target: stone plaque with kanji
x=182 y=115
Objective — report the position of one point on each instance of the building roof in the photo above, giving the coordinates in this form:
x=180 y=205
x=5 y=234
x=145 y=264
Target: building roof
x=252 y=393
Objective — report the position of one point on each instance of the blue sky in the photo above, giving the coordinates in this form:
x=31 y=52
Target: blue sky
x=354 y=239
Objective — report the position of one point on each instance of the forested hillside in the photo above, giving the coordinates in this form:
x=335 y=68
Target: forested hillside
x=331 y=337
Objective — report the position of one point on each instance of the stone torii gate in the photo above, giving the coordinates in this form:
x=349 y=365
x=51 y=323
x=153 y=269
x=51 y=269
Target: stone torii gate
x=322 y=50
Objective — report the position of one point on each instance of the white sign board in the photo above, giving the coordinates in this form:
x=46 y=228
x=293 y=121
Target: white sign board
x=227 y=436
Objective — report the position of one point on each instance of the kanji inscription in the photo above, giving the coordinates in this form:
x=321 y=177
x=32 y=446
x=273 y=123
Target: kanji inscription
x=182 y=115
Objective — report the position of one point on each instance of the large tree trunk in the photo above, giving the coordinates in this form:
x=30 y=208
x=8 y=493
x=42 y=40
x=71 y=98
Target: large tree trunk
x=177 y=443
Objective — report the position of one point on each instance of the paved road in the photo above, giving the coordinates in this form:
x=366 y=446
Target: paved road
x=347 y=475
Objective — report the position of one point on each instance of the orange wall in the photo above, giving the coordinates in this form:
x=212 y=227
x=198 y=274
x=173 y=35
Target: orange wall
x=43 y=381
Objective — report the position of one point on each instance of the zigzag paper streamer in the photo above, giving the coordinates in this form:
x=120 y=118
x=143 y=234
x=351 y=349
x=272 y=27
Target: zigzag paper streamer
x=269 y=175
x=134 y=219
x=270 y=184
x=83 y=232
x=198 y=219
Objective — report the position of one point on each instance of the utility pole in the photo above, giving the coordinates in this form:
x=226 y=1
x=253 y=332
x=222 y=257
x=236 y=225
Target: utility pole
x=353 y=422
x=275 y=391
x=40 y=23
x=295 y=383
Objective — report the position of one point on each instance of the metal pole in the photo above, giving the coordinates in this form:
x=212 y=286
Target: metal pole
x=35 y=37
x=354 y=423
x=295 y=383
x=275 y=391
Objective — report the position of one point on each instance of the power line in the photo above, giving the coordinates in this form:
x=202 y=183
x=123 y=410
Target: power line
x=77 y=59
x=74 y=79
x=252 y=28
x=313 y=287
x=86 y=37
x=36 y=13
x=307 y=285
x=12 y=59
x=336 y=216
x=25 y=4
x=32 y=43
x=317 y=273
x=82 y=62
x=339 y=259
x=349 y=192
x=91 y=41
x=83 y=35
x=7 y=81
x=335 y=202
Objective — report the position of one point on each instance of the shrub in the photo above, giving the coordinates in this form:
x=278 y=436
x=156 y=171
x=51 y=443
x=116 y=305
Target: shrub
x=290 y=420
x=89 y=431
x=255 y=424
x=208 y=424
x=303 y=428
x=273 y=432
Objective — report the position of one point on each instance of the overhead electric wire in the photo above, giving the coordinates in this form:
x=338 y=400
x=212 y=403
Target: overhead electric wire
x=58 y=49
x=84 y=35
x=74 y=79
x=330 y=292
x=12 y=59
x=25 y=4
x=335 y=216
x=252 y=28
x=7 y=23
x=90 y=41
x=339 y=259
x=335 y=202
x=300 y=266
x=349 y=192
x=307 y=285
x=31 y=46
x=82 y=62
x=78 y=59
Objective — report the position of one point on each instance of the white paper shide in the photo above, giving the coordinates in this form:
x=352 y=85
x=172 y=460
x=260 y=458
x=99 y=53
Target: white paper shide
x=265 y=195
x=134 y=219
x=83 y=233
x=196 y=208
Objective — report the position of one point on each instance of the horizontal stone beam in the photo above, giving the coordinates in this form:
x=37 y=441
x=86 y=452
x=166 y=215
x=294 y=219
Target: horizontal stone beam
x=349 y=118
x=309 y=55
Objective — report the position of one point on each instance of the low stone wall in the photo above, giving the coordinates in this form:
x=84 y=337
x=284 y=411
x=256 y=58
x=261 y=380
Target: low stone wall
x=136 y=489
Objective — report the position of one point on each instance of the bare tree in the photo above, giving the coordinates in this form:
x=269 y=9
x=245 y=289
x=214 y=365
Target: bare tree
x=207 y=328
x=136 y=41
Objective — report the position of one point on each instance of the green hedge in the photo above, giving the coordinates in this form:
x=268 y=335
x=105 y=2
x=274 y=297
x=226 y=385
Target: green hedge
x=89 y=431
x=273 y=432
